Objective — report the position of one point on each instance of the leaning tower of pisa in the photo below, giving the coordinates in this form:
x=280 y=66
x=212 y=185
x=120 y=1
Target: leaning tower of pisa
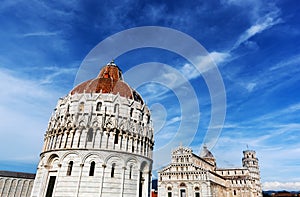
x=250 y=161
x=99 y=142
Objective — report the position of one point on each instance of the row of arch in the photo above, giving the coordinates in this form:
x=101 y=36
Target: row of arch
x=99 y=121
x=184 y=172
x=109 y=123
x=111 y=108
x=96 y=169
x=196 y=187
x=182 y=190
x=116 y=110
x=105 y=97
x=93 y=138
x=15 y=187
x=92 y=169
x=239 y=181
x=187 y=176
x=235 y=172
x=82 y=157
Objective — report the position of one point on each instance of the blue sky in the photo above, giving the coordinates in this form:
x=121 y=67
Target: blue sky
x=255 y=45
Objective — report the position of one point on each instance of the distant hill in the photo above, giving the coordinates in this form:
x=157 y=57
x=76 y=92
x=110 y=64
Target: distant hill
x=282 y=193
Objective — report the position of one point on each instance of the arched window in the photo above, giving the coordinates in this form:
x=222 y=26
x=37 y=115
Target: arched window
x=182 y=185
x=112 y=172
x=169 y=192
x=81 y=107
x=117 y=137
x=70 y=166
x=90 y=135
x=130 y=172
x=234 y=192
x=92 y=169
x=182 y=193
x=116 y=108
x=98 y=106
x=131 y=112
x=197 y=194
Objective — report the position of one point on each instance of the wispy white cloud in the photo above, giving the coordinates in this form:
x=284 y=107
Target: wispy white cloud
x=278 y=113
x=25 y=109
x=41 y=33
x=271 y=78
x=250 y=86
x=159 y=116
x=227 y=126
x=174 y=119
x=7 y=4
x=263 y=23
x=18 y=86
x=204 y=64
x=56 y=72
x=292 y=61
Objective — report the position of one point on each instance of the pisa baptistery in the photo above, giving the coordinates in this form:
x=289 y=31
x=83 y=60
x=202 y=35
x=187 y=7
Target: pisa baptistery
x=99 y=142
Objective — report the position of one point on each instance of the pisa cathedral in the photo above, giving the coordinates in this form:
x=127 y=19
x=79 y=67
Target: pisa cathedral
x=189 y=175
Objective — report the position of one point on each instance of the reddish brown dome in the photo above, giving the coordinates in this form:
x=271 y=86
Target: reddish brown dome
x=109 y=80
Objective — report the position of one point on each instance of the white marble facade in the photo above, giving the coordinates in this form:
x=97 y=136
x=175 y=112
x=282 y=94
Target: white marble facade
x=189 y=175
x=97 y=143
